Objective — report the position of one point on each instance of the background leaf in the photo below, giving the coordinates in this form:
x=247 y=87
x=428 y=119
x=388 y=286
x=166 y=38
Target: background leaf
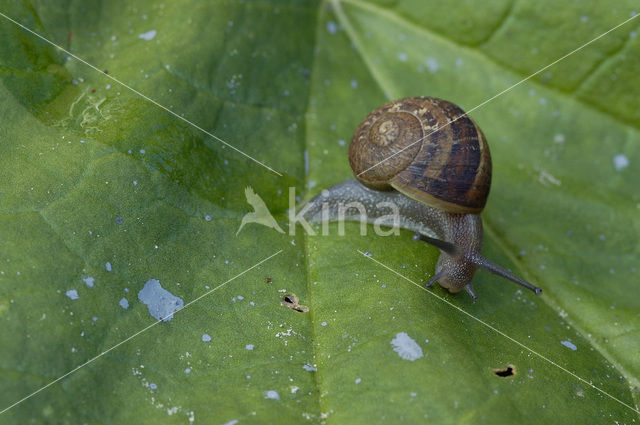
x=91 y=173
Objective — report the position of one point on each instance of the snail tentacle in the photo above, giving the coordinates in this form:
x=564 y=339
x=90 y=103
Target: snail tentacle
x=490 y=266
x=435 y=278
x=470 y=291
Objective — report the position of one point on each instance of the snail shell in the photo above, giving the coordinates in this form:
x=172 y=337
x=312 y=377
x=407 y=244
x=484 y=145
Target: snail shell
x=427 y=149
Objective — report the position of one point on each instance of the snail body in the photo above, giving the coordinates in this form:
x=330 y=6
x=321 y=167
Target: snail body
x=429 y=159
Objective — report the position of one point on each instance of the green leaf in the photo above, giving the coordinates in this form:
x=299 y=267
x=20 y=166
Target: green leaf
x=102 y=191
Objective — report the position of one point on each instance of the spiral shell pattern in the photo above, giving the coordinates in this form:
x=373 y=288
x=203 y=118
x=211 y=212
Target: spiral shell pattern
x=426 y=148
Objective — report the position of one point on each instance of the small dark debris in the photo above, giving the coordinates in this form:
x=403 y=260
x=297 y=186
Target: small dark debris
x=291 y=301
x=503 y=373
x=119 y=219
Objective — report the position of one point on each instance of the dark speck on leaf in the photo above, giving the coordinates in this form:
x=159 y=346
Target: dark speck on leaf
x=507 y=371
x=291 y=301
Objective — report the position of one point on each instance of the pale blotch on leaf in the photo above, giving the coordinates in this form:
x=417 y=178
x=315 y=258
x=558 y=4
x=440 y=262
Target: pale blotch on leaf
x=620 y=161
x=406 y=347
x=272 y=395
x=149 y=35
x=161 y=303
x=124 y=303
x=432 y=64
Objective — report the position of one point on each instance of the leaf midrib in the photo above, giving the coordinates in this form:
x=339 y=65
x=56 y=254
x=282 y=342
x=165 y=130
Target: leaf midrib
x=306 y=251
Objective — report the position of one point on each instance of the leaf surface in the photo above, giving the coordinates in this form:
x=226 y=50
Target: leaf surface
x=102 y=191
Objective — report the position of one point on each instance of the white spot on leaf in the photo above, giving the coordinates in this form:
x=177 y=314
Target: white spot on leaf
x=432 y=64
x=406 y=347
x=272 y=395
x=149 y=35
x=161 y=303
x=620 y=161
x=547 y=178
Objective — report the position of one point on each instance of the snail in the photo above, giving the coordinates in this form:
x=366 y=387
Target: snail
x=428 y=158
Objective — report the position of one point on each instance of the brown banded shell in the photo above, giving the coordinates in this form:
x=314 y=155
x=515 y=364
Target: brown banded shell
x=410 y=146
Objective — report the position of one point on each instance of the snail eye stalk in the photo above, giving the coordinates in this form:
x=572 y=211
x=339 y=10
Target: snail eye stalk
x=492 y=267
